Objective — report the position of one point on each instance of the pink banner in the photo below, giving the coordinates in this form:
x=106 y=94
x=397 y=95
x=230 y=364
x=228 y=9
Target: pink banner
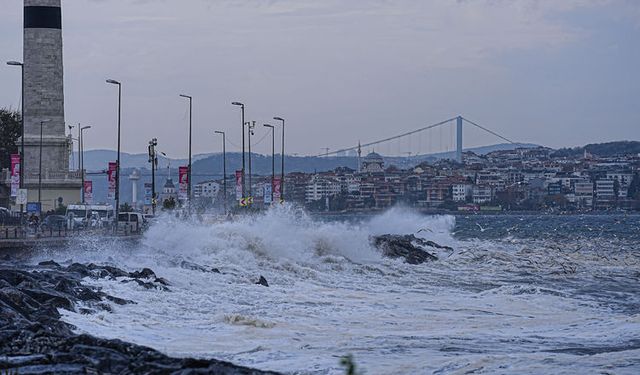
x=111 y=177
x=15 y=174
x=183 y=182
x=238 y=185
x=277 y=184
x=88 y=191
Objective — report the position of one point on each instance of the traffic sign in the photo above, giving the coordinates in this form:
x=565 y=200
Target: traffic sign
x=21 y=196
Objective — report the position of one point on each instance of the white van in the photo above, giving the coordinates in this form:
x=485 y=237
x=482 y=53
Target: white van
x=130 y=222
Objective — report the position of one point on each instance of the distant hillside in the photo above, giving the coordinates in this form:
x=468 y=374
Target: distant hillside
x=607 y=149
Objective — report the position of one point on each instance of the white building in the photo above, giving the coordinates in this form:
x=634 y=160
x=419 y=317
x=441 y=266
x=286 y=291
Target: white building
x=321 y=187
x=206 y=189
x=460 y=192
x=604 y=189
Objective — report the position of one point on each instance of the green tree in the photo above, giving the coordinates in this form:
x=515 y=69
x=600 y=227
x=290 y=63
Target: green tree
x=634 y=187
x=169 y=204
x=10 y=132
x=126 y=208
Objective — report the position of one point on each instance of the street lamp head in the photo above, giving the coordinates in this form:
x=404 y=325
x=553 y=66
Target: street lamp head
x=279 y=119
x=113 y=82
x=218 y=132
x=16 y=63
x=268 y=126
x=85 y=127
x=237 y=103
x=185 y=96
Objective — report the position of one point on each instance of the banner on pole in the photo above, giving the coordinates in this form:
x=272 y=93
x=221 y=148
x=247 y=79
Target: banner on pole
x=238 y=185
x=277 y=185
x=88 y=192
x=111 y=178
x=267 y=193
x=148 y=193
x=183 y=182
x=15 y=174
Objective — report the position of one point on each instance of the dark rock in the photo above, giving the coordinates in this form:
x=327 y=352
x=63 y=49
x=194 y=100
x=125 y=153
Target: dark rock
x=215 y=270
x=408 y=247
x=145 y=273
x=161 y=280
x=262 y=281
x=49 y=263
x=33 y=340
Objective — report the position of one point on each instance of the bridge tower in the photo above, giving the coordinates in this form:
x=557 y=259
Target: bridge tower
x=459 y=139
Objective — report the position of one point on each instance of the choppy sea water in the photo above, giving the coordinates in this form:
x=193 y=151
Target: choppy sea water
x=519 y=294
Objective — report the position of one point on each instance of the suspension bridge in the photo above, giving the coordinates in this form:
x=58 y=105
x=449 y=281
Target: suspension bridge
x=457 y=121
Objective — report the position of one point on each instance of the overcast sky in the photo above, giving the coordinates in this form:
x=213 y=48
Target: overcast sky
x=556 y=72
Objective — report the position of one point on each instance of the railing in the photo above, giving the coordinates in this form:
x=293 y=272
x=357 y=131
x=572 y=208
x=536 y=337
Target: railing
x=32 y=232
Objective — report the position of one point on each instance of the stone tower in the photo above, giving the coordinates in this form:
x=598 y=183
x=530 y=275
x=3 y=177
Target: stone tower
x=44 y=104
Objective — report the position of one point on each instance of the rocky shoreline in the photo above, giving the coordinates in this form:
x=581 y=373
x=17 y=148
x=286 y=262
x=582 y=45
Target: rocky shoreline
x=33 y=339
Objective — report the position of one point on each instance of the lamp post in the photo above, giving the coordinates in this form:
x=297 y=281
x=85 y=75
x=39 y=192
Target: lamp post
x=117 y=197
x=189 y=166
x=282 y=160
x=153 y=159
x=21 y=65
x=242 y=108
x=81 y=156
x=250 y=133
x=224 y=169
x=273 y=156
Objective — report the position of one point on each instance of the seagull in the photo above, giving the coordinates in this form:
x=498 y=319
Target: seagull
x=426 y=229
x=481 y=228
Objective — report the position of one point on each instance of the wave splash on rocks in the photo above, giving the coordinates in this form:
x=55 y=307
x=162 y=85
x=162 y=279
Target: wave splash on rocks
x=33 y=338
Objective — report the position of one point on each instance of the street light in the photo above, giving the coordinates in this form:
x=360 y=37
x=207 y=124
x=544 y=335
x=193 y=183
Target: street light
x=189 y=166
x=153 y=159
x=242 y=107
x=282 y=161
x=117 y=197
x=81 y=156
x=250 y=126
x=224 y=169
x=21 y=65
x=273 y=156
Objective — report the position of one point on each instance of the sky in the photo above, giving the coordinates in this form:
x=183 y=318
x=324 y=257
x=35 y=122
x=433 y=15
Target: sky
x=550 y=72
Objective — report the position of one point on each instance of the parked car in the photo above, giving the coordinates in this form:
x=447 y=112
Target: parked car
x=54 y=222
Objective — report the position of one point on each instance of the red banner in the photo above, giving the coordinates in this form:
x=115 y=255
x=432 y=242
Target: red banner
x=88 y=191
x=277 y=184
x=238 y=185
x=15 y=174
x=111 y=178
x=183 y=182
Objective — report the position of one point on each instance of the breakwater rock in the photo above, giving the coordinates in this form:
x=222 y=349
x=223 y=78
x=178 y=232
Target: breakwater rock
x=33 y=339
x=408 y=246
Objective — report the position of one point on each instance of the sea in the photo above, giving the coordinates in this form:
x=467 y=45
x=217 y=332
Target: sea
x=516 y=294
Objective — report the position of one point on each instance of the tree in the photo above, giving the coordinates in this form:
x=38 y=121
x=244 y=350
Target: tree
x=169 y=204
x=126 y=208
x=10 y=132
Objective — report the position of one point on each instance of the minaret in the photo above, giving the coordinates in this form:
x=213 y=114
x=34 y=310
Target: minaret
x=44 y=106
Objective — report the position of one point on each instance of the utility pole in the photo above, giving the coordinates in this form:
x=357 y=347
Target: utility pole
x=189 y=166
x=81 y=156
x=114 y=82
x=243 y=125
x=224 y=169
x=273 y=157
x=282 y=161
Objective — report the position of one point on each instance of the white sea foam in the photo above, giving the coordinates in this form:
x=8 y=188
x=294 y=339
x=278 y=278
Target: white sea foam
x=331 y=293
